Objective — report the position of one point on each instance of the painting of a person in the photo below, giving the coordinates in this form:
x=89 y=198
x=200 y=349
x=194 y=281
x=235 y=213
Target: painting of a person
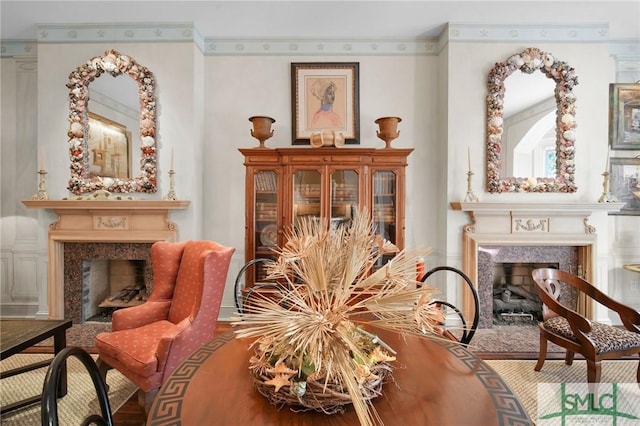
x=325 y=117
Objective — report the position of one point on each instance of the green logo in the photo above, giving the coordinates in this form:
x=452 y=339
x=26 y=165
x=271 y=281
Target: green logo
x=565 y=404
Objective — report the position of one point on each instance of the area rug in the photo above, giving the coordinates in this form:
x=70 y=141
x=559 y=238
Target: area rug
x=75 y=406
x=523 y=380
x=509 y=338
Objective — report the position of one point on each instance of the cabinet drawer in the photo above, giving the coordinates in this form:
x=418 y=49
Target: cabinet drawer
x=262 y=160
x=389 y=160
x=357 y=159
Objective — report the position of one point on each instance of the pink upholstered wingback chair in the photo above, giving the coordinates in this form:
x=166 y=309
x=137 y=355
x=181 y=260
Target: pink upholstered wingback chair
x=147 y=342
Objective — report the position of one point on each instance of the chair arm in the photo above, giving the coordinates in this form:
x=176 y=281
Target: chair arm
x=629 y=316
x=136 y=316
x=168 y=339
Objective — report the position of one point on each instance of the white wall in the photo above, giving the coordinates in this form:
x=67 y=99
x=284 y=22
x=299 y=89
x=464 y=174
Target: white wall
x=204 y=106
x=238 y=87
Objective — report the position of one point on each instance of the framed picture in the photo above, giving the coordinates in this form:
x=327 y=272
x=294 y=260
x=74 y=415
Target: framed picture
x=325 y=96
x=109 y=145
x=624 y=116
x=625 y=184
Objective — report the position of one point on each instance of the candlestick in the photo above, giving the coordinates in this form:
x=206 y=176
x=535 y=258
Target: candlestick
x=42 y=190
x=606 y=196
x=606 y=165
x=469 y=158
x=171 y=195
x=171 y=166
x=470 y=197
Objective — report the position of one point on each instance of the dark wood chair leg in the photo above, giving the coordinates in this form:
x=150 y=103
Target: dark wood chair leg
x=145 y=399
x=103 y=367
x=542 y=354
x=593 y=371
x=568 y=359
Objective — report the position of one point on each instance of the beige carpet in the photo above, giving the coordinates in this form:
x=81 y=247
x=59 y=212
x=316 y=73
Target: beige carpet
x=79 y=401
x=523 y=380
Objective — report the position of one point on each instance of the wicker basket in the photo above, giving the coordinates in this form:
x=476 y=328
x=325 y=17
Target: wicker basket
x=329 y=399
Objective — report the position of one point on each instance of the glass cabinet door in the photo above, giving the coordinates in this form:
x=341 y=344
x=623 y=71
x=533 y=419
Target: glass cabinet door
x=384 y=204
x=307 y=189
x=344 y=196
x=265 y=215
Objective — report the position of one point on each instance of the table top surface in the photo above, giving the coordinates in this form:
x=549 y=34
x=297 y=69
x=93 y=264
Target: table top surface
x=434 y=382
x=21 y=333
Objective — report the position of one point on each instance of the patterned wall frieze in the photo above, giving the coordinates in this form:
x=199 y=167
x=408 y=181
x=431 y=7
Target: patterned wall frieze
x=187 y=32
x=134 y=32
x=526 y=33
x=16 y=48
x=320 y=47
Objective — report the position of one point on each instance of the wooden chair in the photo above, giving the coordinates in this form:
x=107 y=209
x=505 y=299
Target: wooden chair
x=465 y=333
x=49 y=401
x=149 y=341
x=567 y=328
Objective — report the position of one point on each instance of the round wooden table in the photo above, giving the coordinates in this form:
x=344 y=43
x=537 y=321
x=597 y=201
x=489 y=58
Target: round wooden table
x=435 y=382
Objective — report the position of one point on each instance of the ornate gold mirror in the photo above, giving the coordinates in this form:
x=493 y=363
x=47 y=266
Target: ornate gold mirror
x=102 y=145
x=561 y=155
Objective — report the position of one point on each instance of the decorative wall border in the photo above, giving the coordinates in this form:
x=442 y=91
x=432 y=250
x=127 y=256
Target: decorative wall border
x=186 y=32
x=527 y=32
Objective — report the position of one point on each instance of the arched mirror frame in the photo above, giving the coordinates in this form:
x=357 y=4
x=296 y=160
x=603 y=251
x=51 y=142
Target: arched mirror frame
x=115 y=64
x=529 y=61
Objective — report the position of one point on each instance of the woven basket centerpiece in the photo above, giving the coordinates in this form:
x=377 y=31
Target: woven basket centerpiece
x=313 y=349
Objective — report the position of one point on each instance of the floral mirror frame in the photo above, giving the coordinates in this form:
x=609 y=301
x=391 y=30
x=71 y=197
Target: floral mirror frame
x=529 y=61
x=115 y=64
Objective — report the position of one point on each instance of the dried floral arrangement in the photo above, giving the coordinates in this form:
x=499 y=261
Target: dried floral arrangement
x=312 y=351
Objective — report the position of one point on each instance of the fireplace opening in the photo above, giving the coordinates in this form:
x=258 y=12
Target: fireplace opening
x=515 y=298
x=499 y=307
x=108 y=285
x=90 y=268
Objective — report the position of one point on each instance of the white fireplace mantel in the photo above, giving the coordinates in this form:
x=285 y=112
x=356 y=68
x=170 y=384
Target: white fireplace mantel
x=575 y=208
x=533 y=218
x=533 y=224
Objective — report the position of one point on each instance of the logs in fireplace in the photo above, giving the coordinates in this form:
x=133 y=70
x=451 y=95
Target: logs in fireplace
x=514 y=295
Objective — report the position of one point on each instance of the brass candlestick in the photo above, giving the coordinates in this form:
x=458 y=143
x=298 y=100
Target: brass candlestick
x=42 y=187
x=171 y=195
x=470 y=197
x=606 y=196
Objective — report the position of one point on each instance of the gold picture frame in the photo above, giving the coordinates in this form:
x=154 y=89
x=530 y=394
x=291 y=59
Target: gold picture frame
x=624 y=116
x=109 y=145
x=325 y=97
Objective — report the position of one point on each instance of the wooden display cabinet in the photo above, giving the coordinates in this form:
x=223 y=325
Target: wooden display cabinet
x=285 y=184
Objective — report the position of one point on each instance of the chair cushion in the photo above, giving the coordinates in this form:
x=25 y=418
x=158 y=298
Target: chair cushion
x=605 y=337
x=135 y=348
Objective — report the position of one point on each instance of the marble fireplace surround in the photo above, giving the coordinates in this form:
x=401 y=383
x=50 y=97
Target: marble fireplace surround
x=531 y=224
x=96 y=221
